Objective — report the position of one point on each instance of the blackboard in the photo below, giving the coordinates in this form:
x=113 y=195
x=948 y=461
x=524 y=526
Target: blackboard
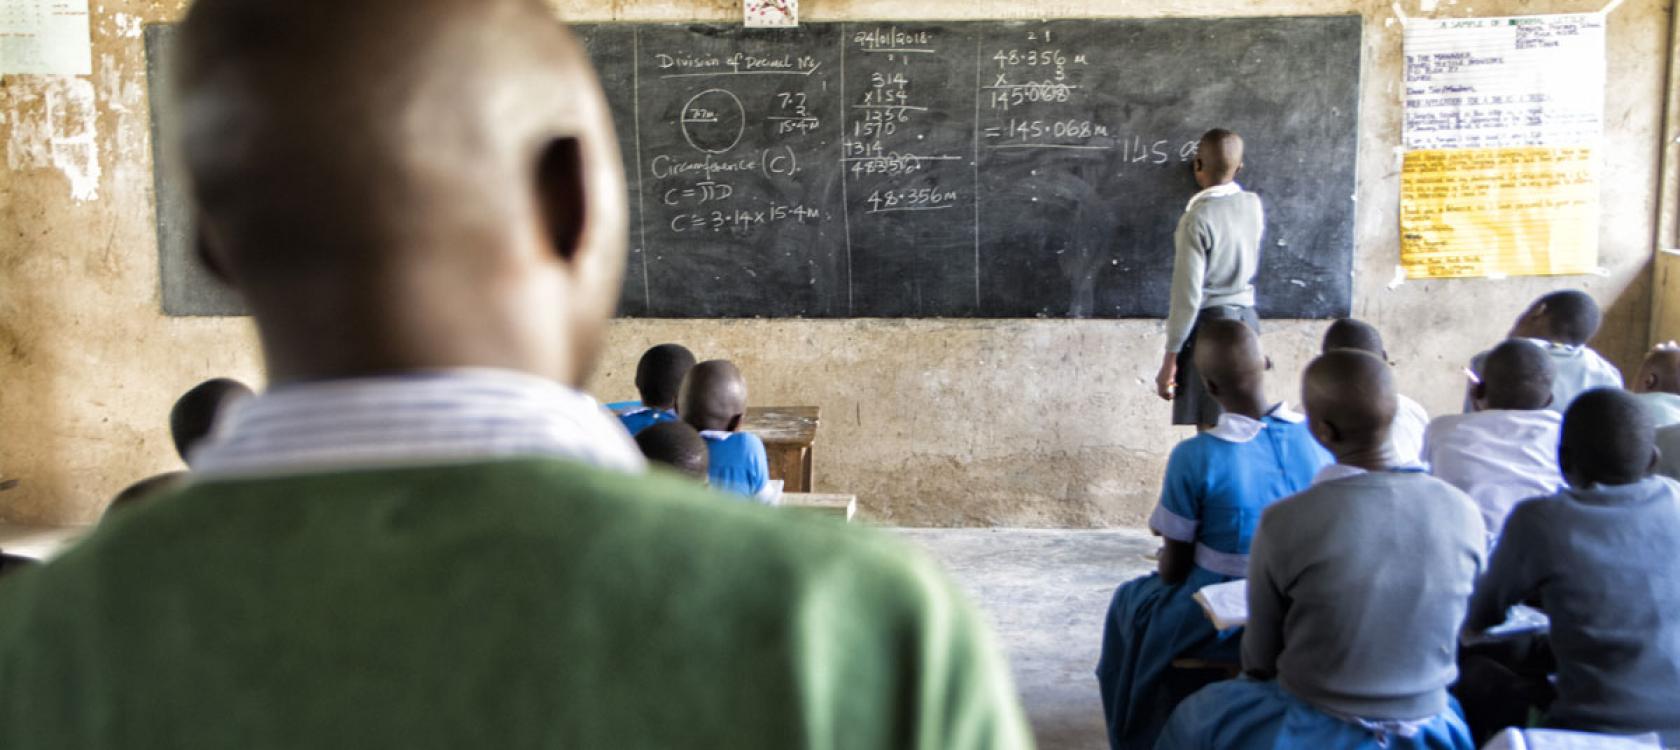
x=974 y=169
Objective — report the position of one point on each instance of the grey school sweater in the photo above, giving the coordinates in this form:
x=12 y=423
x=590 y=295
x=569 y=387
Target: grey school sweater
x=1356 y=589
x=1216 y=255
x=1602 y=561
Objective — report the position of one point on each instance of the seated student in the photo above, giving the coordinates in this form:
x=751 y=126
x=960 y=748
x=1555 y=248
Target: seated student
x=191 y=420
x=677 y=446
x=714 y=401
x=1658 y=384
x=1410 y=418
x=1216 y=485
x=423 y=535
x=1598 y=558
x=1356 y=589
x=1505 y=452
x=659 y=378
x=1562 y=323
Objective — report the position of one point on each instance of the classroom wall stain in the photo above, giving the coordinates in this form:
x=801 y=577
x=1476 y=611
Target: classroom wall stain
x=930 y=422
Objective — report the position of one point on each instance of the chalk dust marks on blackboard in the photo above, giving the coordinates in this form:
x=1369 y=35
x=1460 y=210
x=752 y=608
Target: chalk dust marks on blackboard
x=636 y=117
x=845 y=193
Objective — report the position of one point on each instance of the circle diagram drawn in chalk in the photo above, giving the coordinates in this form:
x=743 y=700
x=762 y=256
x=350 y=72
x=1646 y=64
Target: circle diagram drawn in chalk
x=714 y=121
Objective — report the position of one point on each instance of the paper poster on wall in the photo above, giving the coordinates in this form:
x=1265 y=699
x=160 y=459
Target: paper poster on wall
x=45 y=37
x=1504 y=118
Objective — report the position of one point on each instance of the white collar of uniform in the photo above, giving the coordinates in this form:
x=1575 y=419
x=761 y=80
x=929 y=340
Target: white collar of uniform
x=1236 y=428
x=1571 y=349
x=1335 y=472
x=1217 y=191
x=409 y=419
x=716 y=434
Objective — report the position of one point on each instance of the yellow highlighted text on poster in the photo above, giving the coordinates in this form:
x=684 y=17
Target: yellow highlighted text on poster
x=1530 y=211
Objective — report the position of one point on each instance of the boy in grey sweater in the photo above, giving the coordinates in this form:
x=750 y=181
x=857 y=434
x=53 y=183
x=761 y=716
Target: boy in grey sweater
x=1216 y=255
x=1599 y=558
x=1356 y=589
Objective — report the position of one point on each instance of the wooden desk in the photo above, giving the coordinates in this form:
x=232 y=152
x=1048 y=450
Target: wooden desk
x=789 y=434
x=843 y=507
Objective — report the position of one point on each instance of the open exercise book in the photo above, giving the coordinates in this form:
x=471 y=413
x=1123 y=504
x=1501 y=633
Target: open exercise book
x=1226 y=604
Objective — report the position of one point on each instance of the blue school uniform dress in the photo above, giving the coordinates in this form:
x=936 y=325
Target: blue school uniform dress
x=738 y=462
x=642 y=417
x=1216 y=485
x=1246 y=714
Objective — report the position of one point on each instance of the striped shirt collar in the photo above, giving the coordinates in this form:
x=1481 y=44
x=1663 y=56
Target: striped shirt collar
x=430 y=417
x=1217 y=191
x=1338 y=472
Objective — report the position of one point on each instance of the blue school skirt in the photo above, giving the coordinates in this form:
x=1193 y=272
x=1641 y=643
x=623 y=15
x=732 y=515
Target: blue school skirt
x=1149 y=625
x=1245 y=714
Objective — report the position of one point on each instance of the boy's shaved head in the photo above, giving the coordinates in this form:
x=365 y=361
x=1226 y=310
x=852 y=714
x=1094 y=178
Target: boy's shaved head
x=715 y=396
x=404 y=184
x=1659 y=373
x=1348 y=333
x=195 y=412
x=676 y=445
x=1231 y=363
x=659 y=376
x=1350 y=400
x=1566 y=317
x=1608 y=438
x=1219 y=155
x=1516 y=375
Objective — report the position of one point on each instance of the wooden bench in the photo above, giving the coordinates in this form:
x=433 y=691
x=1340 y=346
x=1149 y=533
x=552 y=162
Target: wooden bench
x=789 y=434
x=843 y=507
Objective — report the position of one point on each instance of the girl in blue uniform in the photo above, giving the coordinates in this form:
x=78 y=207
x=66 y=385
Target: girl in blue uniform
x=1217 y=484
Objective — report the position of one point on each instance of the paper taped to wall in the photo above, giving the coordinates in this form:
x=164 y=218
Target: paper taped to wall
x=45 y=37
x=1503 y=122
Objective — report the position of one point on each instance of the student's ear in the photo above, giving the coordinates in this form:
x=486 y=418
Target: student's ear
x=561 y=195
x=1478 y=395
x=1656 y=460
x=1211 y=387
x=1566 y=466
x=1268 y=363
x=1196 y=165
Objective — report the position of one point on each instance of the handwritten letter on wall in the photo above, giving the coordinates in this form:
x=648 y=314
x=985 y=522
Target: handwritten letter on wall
x=1504 y=117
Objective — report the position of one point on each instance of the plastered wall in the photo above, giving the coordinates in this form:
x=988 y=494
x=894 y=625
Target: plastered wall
x=1050 y=423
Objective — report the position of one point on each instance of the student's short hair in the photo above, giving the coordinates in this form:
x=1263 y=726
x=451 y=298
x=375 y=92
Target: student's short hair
x=194 y=414
x=660 y=374
x=1517 y=374
x=1348 y=333
x=1608 y=437
x=677 y=445
x=1572 y=316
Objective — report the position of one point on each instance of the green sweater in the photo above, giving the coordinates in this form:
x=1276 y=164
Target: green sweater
x=517 y=604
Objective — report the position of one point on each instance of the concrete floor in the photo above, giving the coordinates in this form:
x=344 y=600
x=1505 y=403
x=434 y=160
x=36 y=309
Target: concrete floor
x=1045 y=593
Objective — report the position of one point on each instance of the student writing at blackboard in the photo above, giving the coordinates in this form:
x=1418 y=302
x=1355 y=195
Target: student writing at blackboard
x=1217 y=253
